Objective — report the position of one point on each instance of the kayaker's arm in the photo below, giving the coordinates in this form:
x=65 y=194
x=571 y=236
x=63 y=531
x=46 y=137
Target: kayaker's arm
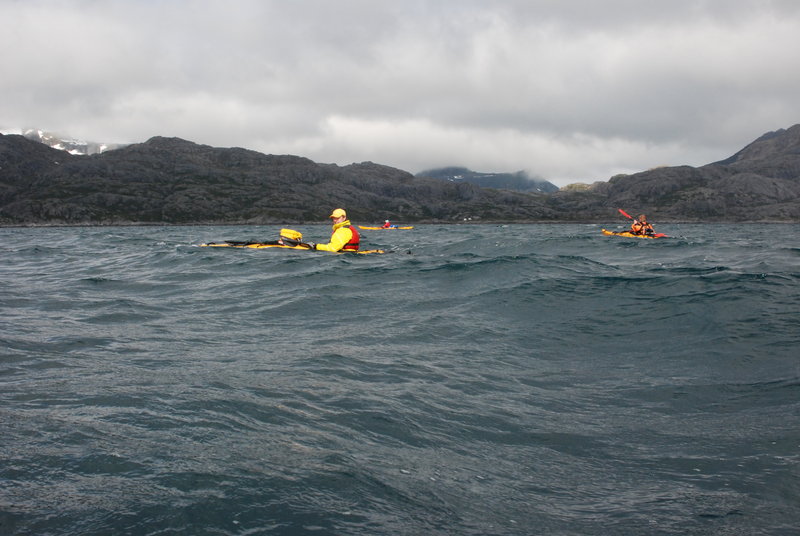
x=339 y=238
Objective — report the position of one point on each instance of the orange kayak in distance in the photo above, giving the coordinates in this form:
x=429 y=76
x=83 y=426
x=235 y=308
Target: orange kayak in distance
x=629 y=234
x=383 y=228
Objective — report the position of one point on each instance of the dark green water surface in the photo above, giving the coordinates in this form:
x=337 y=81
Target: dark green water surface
x=478 y=380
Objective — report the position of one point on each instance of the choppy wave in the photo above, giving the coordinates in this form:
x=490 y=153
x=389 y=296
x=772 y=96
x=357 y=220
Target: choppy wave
x=478 y=379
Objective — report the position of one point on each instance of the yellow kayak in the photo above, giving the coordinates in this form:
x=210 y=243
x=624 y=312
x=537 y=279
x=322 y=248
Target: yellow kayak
x=265 y=245
x=383 y=228
x=628 y=234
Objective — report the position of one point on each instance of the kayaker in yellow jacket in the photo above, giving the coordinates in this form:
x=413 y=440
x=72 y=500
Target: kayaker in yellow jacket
x=345 y=237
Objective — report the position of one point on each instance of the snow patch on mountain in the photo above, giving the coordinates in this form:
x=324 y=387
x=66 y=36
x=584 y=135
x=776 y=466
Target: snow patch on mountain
x=68 y=144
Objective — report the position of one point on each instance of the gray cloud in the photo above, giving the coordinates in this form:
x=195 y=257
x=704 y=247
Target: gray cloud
x=568 y=90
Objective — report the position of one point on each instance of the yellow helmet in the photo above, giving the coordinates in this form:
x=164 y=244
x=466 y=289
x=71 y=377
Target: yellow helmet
x=338 y=213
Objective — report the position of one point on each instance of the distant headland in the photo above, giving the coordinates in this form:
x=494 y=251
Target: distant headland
x=174 y=181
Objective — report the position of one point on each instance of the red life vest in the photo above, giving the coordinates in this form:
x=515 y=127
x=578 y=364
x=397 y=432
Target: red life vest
x=352 y=245
x=640 y=228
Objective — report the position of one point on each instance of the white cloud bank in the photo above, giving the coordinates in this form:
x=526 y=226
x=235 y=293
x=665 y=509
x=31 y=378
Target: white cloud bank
x=570 y=91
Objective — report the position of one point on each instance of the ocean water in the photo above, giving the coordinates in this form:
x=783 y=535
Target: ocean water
x=477 y=380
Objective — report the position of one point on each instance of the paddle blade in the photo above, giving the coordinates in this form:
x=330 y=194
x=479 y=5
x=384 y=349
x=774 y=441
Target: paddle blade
x=625 y=214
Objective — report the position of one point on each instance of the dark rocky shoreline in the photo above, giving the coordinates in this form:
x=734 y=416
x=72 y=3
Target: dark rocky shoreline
x=170 y=181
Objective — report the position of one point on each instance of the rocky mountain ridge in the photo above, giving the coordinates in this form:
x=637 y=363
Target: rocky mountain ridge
x=761 y=182
x=520 y=181
x=68 y=144
x=174 y=181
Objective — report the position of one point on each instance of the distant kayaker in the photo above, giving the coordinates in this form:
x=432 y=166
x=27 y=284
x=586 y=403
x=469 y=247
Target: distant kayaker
x=345 y=237
x=641 y=227
x=386 y=224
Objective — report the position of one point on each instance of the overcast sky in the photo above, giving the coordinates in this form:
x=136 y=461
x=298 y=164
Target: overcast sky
x=571 y=91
